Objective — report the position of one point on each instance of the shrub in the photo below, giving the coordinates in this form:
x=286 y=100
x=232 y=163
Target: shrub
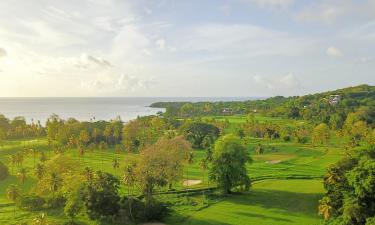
x=133 y=209
x=57 y=202
x=156 y=210
x=287 y=138
x=31 y=202
x=4 y=173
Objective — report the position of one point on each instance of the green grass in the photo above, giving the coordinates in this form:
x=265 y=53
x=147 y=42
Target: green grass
x=269 y=202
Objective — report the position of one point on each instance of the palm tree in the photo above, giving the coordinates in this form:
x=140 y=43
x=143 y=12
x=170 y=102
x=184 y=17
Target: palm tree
x=324 y=207
x=204 y=166
x=42 y=157
x=190 y=161
x=40 y=220
x=21 y=175
x=13 y=161
x=129 y=177
x=54 y=183
x=81 y=152
x=115 y=165
x=107 y=133
x=332 y=176
x=13 y=193
x=95 y=134
x=39 y=171
x=35 y=153
x=102 y=148
x=129 y=180
x=88 y=174
x=19 y=159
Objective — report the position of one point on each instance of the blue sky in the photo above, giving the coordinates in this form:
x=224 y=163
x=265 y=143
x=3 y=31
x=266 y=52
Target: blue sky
x=184 y=48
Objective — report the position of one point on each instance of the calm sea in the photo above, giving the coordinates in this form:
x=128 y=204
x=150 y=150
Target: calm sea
x=89 y=108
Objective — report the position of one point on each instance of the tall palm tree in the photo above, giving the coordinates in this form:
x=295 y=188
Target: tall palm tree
x=19 y=158
x=107 y=133
x=115 y=165
x=129 y=180
x=54 y=183
x=190 y=160
x=39 y=171
x=203 y=166
x=40 y=220
x=42 y=157
x=35 y=154
x=129 y=177
x=13 y=192
x=81 y=152
x=13 y=162
x=88 y=174
x=22 y=175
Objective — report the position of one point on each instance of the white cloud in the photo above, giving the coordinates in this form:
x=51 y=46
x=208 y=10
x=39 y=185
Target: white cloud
x=334 y=52
x=273 y=3
x=160 y=43
x=284 y=85
x=323 y=13
x=3 y=53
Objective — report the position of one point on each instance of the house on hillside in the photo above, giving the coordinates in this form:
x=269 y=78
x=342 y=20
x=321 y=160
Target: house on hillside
x=334 y=99
x=227 y=111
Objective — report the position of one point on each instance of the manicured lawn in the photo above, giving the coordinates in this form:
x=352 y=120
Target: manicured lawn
x=267 y=203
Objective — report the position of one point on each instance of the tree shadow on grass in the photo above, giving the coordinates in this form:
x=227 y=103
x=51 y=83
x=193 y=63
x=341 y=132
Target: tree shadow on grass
x=262 y=216
x=179 y=219
x=283 y=201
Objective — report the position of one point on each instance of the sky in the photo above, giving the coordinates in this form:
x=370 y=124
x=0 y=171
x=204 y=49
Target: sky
x=177 y=48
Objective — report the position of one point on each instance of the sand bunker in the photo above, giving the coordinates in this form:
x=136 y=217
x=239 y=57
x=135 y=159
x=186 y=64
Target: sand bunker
x=189 y=183
x=273 y=161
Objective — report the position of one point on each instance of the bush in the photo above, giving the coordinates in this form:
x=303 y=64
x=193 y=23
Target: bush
x=31 y=202
x=287 y=138
x=133 y=209
x=4 y=173
x=156 y=210
x=57 y=202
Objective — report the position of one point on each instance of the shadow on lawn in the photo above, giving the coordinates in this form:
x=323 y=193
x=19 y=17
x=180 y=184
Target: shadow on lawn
x=283 y=201
x=247 y=214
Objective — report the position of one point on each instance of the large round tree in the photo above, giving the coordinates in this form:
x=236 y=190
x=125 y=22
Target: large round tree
x=229 y=164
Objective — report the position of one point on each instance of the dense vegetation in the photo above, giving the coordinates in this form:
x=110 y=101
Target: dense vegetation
x=195 y=164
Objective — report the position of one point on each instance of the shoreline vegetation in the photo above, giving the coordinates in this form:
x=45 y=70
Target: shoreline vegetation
x=281 y=160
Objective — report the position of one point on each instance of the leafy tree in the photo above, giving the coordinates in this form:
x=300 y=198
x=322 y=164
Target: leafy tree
x=321 y=134
x=161 y=164
x=350 y=185
x=229 y=164
x=196 y=132
x=101 y=197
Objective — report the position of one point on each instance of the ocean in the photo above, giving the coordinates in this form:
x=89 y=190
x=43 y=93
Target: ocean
x=86 y=109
